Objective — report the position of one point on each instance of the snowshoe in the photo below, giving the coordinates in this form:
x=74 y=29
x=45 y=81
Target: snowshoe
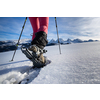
x=35 y=54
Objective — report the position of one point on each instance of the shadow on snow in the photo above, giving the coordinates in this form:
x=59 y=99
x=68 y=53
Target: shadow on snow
x=13 y=62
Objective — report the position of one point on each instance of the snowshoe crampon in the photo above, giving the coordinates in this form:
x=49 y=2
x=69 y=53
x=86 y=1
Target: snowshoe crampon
x=33 y=57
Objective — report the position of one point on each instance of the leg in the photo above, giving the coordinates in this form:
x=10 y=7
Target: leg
x=40 y=40
x=43 y=24
x=35 y=25
x=41 y=36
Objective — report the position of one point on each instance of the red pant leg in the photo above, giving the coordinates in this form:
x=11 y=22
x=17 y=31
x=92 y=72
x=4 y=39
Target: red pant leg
x=35 y=25
x=44 y=21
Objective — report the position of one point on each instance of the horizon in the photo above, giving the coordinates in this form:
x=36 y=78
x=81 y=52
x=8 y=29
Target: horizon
x=54 y=39
x=83 y=28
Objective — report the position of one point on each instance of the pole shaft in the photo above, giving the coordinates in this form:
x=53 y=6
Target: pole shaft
x=58 y=35
x=22 y=30
x=19 y=38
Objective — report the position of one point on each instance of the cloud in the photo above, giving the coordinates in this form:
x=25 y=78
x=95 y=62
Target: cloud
x=68 y=27
x=51 y=36
x=87 y=27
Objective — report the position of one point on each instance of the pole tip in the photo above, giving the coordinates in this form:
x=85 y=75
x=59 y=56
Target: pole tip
x=10 y=60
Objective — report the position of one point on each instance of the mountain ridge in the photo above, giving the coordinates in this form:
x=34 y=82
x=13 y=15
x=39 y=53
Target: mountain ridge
x=9 y=45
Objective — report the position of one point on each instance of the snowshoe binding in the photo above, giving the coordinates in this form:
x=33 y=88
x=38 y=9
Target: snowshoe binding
x=35 y=54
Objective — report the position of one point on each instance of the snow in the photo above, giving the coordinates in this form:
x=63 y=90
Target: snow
x=77 y=64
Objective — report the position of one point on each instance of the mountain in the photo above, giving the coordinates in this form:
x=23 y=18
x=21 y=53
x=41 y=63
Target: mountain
x=23 y=41
x=69 y=41
x=11 y=44
x=60 y=40
x=77 y=41
x=7 y=45
x=90 y=40
x=52 y=41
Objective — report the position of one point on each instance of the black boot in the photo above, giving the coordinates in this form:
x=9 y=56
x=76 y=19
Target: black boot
x=40 y=39
x=38 y=45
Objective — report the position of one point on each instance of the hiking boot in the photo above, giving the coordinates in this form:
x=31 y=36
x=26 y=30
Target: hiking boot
x=38 y=53
x=38 y=44
x=40 y=40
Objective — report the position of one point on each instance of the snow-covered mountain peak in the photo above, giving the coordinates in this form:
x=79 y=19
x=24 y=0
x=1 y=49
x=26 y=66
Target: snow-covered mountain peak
x=60 y=40
x=52 y=40
x=77 y=41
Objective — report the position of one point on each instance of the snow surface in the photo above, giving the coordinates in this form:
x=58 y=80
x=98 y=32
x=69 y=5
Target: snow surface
x=78 y=64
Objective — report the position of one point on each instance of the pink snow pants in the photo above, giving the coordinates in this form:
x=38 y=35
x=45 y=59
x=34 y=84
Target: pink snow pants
x=39 y=24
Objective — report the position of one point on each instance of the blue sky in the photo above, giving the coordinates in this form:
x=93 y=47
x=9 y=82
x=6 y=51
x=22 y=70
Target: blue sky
x=68 y=27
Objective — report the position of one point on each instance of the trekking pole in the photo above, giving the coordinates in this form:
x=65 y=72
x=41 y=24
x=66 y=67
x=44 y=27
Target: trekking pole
x=19 y=38
x=57 y=35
